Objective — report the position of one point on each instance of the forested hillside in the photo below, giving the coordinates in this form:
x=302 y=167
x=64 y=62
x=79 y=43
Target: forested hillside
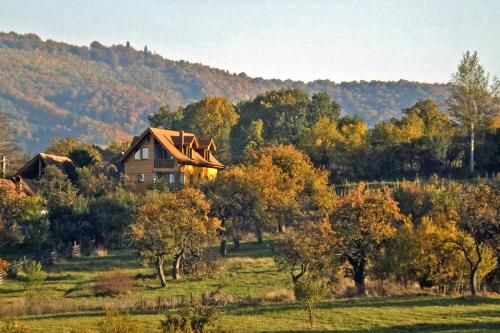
x=53 y=89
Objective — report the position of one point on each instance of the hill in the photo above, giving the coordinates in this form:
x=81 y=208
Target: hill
x=52 y=89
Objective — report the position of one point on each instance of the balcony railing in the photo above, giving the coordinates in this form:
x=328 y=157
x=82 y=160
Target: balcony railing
x=164 y=164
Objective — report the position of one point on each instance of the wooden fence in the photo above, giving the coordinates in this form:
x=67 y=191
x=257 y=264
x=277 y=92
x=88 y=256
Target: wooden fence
x=72 y=250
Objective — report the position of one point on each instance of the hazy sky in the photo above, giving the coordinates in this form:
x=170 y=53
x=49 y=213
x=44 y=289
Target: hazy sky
x=302 y=40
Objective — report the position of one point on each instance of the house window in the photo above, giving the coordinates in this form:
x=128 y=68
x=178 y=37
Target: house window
x=141 y=178
x=145 y=153
x=137 y=155
x=191 y=179
x=181 y=178
x=171 y=178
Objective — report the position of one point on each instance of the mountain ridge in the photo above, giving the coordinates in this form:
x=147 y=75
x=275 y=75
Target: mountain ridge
x=55 y=89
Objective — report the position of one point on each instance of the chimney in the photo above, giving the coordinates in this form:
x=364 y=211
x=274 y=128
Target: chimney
x=181 y=133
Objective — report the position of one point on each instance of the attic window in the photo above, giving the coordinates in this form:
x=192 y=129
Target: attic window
x=137 y=155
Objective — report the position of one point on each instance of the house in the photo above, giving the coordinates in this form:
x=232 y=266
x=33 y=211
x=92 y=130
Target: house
x=178 y=157
x=33 y=170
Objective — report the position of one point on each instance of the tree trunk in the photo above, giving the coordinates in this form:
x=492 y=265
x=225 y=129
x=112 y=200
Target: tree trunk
x=471 y=161
x=176 y=267
x=258 y=234
x=223 y=248
x=236 y=243
x=160 y=272
x=358 y=267
x=472 y=281
x=311 y=318
x=281 y=227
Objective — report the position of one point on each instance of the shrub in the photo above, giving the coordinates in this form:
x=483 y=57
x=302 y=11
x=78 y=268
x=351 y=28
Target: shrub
x=116 y=322
x=34 y=279
x=113 y=283
x=282 y=295
x=194 y=319
x=14 y=326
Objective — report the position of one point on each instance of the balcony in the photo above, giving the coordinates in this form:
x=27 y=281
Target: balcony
x=164 y=164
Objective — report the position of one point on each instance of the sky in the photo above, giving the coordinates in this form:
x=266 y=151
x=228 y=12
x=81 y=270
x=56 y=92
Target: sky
x=299 y=40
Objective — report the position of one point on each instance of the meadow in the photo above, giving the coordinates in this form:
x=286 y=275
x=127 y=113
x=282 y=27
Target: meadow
x=251 y=273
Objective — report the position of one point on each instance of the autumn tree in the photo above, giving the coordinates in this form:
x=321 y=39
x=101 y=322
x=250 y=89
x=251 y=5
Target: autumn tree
x=235 y=203
x=305 y=249
x=308 y=192
x=472 y=103
x=478 y=218
x=172 y=225
x=365 y=220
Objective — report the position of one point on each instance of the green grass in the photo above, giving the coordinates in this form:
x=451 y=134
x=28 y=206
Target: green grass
x=396 y=314
x=248 y=272
x=251 y=272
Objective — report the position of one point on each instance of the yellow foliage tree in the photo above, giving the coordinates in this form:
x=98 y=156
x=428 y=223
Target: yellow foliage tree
x=171 y=225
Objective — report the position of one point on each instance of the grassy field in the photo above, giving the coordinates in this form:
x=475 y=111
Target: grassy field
x=397 y=314
x=251 y=272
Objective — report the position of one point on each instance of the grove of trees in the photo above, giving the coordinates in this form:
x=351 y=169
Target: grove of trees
x=289 y=158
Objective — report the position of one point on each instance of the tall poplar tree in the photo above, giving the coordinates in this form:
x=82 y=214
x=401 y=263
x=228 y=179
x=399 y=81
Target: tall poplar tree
x=472 y=103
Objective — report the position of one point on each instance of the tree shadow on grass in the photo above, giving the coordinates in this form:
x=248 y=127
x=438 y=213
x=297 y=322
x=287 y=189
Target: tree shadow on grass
x=484 y=327
x=399 y=302
x=405 y=302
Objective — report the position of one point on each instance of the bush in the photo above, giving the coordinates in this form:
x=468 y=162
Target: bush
x=116 y=322
x=14 y=326
x=194 y=319
x=112 y=284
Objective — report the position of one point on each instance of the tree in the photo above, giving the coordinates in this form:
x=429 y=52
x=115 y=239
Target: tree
x=478 y=218
x=84 y=155
x=306 y=192
x=112 y=214
x=283 y=113
x=172 y=225
x=305 y=249
x=235 y=203
x=472 y=103
x=63 y=146
x=322 y=106
x=309 y=291
x=67 y=211
x=8 y=145
x=365 y=220
x=166 y=118
x=212 y=117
